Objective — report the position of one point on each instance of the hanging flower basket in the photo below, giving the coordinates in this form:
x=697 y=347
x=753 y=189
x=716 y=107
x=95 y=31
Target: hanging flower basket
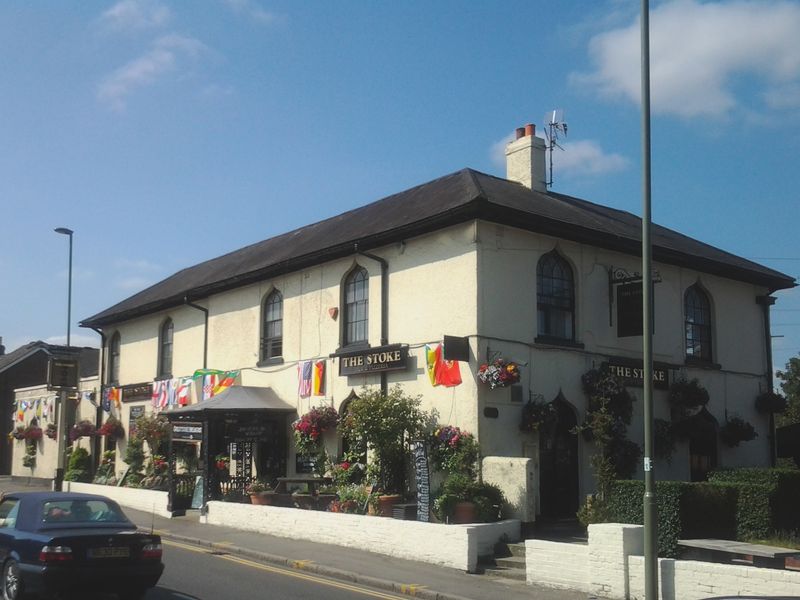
x=688 y=397
x=735 y=431
x=18 y=433
x=112 y=428
x=535 y=414
x=82 y=429
x=51 y=431
x=308 y=428
x=770 y=402
x=499 y=373
x=32 y=433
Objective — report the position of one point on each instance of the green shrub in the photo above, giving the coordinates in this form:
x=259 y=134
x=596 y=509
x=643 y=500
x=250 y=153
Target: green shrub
x=458 y=487
x=79 y=467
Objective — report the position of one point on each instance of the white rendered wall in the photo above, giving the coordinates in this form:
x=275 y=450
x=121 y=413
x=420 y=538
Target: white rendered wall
x=557 y=564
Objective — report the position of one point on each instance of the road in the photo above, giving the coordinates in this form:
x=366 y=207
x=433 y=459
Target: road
x=194 y=573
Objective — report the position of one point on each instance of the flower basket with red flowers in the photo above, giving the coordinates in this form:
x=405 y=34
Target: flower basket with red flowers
x=18 y=433
x=112 y=428
x=309 y=428
x=82 y=429
x=32 y=433
x=499 y=373
x=51 y=431
x=453 y=450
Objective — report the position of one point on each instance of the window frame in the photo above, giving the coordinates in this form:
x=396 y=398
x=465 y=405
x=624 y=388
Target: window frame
x=267 y=342
x=356 y=280
x=549 y=306
x=114 y=351
x=698 y=334
x=164 y=370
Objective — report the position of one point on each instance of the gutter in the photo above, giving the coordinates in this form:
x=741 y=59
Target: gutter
x=205 y=328
x=99 y=412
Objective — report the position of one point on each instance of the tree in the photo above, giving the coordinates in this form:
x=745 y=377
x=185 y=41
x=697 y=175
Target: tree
x=791 y=389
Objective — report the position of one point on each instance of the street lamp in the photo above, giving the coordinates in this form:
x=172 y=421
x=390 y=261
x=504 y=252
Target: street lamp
x=62 y=410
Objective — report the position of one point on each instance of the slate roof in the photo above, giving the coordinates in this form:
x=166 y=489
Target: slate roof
x=88 y=356
x=454 y=198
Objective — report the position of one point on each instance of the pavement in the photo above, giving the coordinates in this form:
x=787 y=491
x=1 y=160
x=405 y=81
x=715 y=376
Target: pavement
x=404 y=577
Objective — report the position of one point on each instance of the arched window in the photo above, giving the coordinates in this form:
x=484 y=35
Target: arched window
x=697 y=309
x=356 y=307
x=165 y=349
x=555 y=298
x=272 y=326
x=113 y=358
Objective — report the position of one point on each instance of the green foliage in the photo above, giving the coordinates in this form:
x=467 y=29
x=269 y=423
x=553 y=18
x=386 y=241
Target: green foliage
x=535 y=414
x=79 y=467
x=134 y=454
x=790 y=378
x=770 y=402
x=105 y=472
x=459 y=487
x=355 y=498
x=153 y=429
x=29 y=458
x=453 y=450
x=664 y=440
x=385 y=423
x=736 y=431
x=685 y=394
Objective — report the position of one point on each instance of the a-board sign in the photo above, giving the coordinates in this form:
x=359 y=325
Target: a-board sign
x=62 y=373
x=422 y=474
x=305 y=464
x=186 y=431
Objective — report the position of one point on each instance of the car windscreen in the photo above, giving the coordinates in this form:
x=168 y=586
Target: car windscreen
x=80 y=511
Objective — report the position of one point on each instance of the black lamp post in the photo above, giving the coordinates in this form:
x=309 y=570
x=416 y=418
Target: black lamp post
x=62 y=411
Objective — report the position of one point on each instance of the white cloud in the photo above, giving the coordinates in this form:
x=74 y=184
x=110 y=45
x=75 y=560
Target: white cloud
x=163 y=57
x=92 y=341
x=133 y=282
x=136 y=265
x=700 y=55
x=136 y=15
x=581 y=158
x=252 y=10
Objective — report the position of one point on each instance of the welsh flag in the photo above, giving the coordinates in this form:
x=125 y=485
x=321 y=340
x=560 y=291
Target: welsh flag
x=226 y=380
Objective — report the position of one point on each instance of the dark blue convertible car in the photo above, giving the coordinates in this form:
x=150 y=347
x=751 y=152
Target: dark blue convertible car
x=53 y=542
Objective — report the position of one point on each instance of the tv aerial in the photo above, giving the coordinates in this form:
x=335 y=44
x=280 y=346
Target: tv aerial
x=555 y=126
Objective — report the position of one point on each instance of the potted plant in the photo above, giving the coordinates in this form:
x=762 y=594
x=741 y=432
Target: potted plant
x=259 y=492
x=499 y=373
x=354 y=498
x=464 y=500
x=385 y=423
x=735 y=431
x=535 y=414
x=51 y=431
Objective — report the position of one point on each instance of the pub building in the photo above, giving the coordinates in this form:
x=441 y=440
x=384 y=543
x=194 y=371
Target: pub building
x=501 y=266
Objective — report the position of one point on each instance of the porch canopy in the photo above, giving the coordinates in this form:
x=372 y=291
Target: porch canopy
x=235 y=399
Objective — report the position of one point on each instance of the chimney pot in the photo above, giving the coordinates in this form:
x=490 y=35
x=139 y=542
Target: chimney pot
x=520 y=132
x=530 y=129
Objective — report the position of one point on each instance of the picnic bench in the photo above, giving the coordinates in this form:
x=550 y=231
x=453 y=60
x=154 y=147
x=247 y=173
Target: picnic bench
x=712 y=550
x=286 y=491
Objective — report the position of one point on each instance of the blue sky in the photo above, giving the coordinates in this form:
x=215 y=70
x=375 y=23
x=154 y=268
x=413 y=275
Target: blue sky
x=166 y=133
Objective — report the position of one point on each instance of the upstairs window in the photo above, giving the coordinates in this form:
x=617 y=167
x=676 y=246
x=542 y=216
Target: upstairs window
x=272 y=327
x=697 y=309
x=165 y=349
x=356 y=307
x=113 y=358
x=555 y=298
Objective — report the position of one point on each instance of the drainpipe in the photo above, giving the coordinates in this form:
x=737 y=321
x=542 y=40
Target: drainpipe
x=766 y=302
x=99 y=412
x=205 y=328
x=384 y=304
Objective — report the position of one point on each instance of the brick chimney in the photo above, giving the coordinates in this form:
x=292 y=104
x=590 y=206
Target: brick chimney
x=525 y=159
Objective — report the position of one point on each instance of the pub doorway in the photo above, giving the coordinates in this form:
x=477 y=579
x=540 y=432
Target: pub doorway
x=558 y=463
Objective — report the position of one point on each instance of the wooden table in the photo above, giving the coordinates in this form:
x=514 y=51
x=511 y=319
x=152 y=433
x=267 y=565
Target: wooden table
x=312 y=484
x=712 y=550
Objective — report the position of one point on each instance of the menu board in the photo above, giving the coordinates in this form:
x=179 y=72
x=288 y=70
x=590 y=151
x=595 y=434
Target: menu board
x=423 y=481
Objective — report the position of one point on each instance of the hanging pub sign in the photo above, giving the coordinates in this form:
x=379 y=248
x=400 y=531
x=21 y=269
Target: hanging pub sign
x=137 y=392
x=629 y=309
x=632 y=372
x=187 y=431
x=62 y=373
x=371 y=360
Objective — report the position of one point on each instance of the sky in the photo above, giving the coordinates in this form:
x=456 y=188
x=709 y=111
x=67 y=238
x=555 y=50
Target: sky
x=167 y=133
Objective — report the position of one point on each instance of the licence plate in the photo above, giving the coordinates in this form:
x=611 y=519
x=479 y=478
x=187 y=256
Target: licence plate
x=110 y=552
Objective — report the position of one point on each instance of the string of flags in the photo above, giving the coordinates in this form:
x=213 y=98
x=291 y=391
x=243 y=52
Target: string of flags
x=213 y=382
x=441 y=371
x=311 y=378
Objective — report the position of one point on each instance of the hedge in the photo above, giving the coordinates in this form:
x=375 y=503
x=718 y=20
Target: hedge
x=735 y=504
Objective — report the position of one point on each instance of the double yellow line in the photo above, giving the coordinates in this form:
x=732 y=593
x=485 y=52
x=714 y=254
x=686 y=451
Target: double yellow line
x=299 y=565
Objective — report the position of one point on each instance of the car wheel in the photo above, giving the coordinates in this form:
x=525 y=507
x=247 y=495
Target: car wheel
x=12 y=581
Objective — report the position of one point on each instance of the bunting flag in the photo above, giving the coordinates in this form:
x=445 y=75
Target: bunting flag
x=38 y=409
x=184 y=391
x=172 y=392
x=159 y=397
x=431 y=358
x=105 y=403
x=304 y=368
x=448 y=373
x=209 y=383
x=226 y=380
x=319 y=378
x=115 y=395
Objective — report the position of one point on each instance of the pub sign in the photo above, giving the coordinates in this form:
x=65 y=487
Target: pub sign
x=632 y=373
x=62 y=374
x=187 y=431
x=393 y=357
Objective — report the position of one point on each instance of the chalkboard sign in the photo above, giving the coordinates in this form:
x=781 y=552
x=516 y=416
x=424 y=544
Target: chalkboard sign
x=305 y=464
x=423 y=481
x=136 y=412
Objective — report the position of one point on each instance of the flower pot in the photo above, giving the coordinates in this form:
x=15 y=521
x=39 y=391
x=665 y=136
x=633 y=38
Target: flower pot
x=262 y=498
x=324 y=501
x=386 y=504
x=465 y=512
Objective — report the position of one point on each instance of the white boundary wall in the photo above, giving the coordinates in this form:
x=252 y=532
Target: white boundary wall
x=149 y=501
x=455 y=546
x=612 y=566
